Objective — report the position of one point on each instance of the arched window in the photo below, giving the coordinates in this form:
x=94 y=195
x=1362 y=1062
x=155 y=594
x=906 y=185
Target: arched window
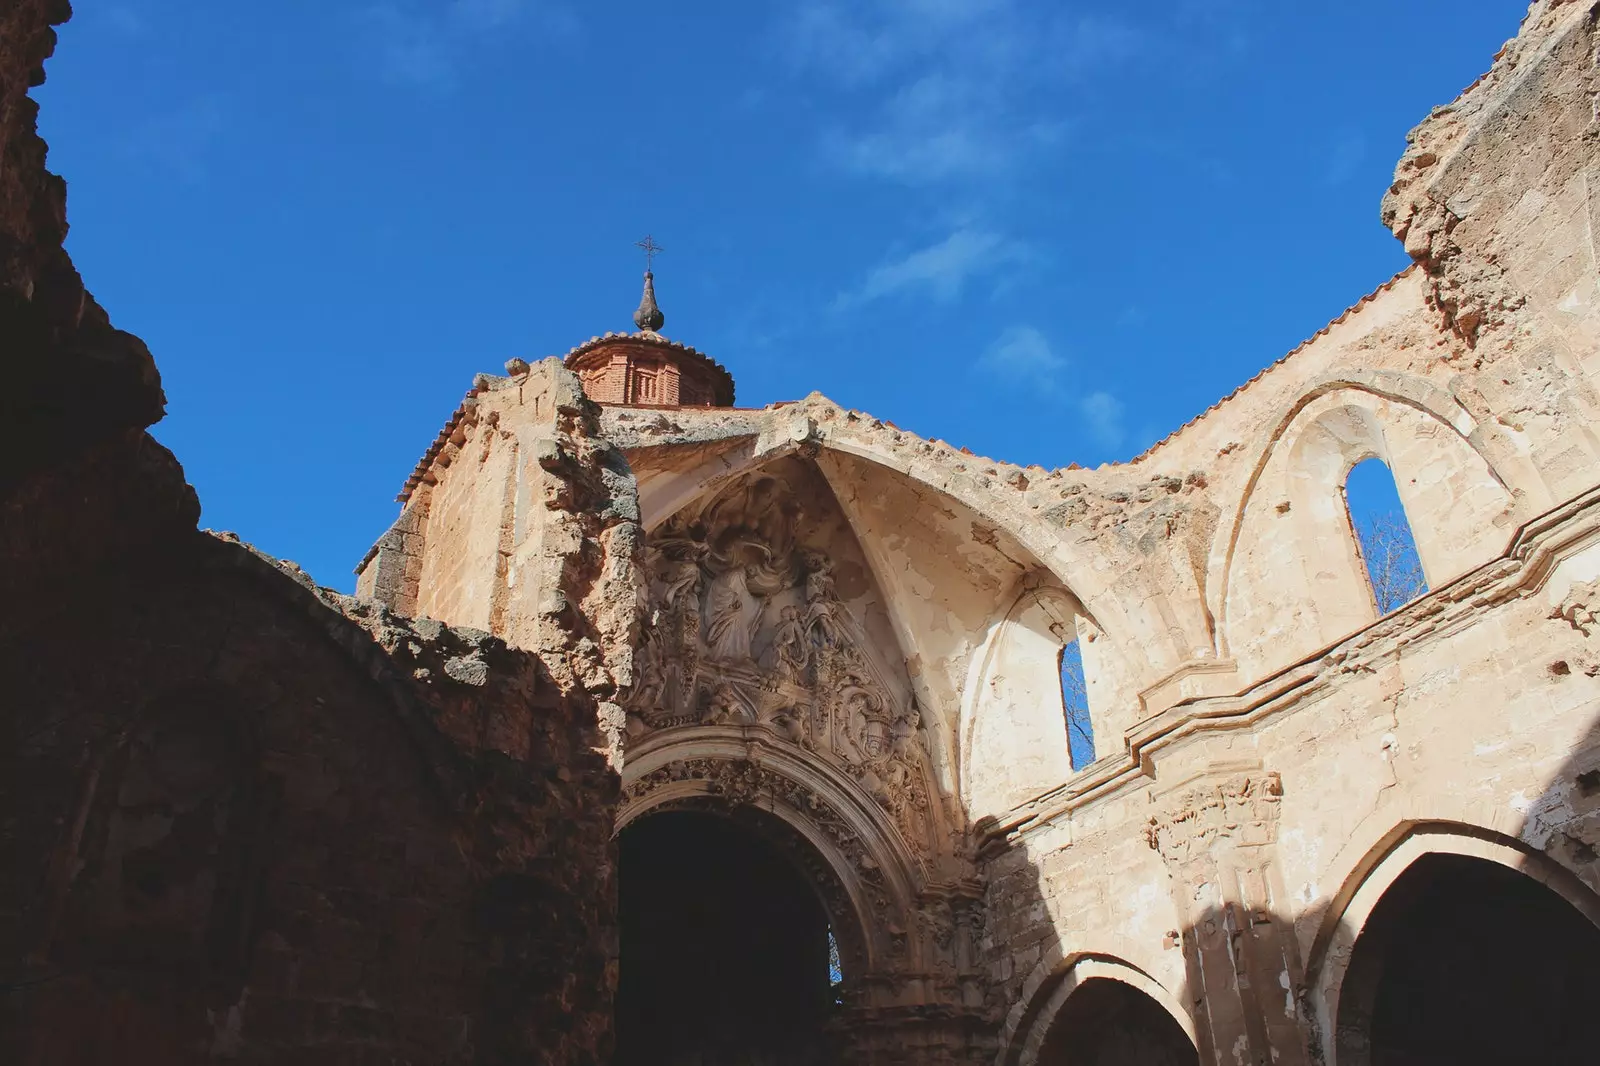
x=1075 y=706
x=1383 y=536
x=835 y=969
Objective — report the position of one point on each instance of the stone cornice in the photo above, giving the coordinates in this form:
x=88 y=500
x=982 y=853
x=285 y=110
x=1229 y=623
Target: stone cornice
x=1521 y=571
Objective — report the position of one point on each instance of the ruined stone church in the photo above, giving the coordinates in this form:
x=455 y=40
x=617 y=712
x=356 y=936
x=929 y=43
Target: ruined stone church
x=663 y=730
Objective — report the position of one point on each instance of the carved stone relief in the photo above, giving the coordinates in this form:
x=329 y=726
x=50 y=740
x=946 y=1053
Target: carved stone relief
x=745 y=626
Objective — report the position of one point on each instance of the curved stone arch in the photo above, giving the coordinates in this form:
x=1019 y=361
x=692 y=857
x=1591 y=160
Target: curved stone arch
x=877 y=875
x=804 y=432
x=1050 y=550
x=1061 y=608
x=1053 y=981
x=1376 y=870
x=1362 y=389
x=803 y=437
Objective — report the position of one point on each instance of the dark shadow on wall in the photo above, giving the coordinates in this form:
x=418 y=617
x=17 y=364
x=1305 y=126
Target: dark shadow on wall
x=1450 y=943
x=242 y=823
x=724 y=948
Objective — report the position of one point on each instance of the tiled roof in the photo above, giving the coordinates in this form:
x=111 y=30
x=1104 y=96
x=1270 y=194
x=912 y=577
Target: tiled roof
x=480 y=384
x=1352 y=309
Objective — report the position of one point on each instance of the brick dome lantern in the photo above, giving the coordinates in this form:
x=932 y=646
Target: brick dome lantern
x=645 y=369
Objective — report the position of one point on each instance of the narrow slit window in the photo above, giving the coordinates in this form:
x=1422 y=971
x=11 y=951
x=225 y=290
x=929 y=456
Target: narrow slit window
x=835 y=969
x=1075 y=705
x=1383 y=535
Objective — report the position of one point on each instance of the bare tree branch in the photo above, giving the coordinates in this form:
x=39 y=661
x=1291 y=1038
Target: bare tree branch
x=1075 y=703
x=1390 y=553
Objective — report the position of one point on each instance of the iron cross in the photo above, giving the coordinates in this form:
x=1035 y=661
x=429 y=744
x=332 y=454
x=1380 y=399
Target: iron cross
x=650 y=248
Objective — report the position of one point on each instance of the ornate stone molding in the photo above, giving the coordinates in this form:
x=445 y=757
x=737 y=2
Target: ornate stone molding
x=1242 y=810
x=745 y=627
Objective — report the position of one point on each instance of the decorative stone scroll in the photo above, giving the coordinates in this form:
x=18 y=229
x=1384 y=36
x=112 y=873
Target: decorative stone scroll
x=1241 y=809
x=745 y=627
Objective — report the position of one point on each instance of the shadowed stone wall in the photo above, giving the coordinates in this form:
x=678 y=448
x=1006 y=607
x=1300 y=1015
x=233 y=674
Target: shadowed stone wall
x=241 y=817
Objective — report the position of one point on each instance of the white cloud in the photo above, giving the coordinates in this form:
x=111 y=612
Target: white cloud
x=1102 y=414
x=940 y=270
x=426 y=46
x=949 y=89
x=1022 y=355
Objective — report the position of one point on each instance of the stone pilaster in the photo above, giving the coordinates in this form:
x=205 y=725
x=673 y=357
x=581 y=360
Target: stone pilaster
x=1218 y=840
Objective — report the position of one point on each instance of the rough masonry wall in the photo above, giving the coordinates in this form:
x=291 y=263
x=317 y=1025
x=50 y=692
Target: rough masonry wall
x=252 y=820
x=523 y=520
x=240 y=817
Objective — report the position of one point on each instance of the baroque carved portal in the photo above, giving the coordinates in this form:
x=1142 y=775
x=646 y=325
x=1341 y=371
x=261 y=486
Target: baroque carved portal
x=746 y=627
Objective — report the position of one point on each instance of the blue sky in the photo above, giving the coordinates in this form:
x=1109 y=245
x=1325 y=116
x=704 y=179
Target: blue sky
x=1050 y=232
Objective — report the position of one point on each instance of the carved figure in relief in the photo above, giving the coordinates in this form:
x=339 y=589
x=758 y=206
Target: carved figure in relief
x=731 y=616
x=822 y=622
x=795 y=724
x=723 y=706
x=651 y=684
x=681 y=577
x=907 y=733
x=790 y=644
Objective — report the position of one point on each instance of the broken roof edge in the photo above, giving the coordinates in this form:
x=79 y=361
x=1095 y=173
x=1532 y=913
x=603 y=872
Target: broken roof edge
x=868 y=423
x=1239 y=390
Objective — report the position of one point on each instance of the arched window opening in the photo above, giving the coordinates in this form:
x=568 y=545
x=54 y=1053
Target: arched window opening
x=1467 y=962
x=726 y=954
x=1383 y=536
x=1106 y=1022
x=1075 y=705
x=835 y=970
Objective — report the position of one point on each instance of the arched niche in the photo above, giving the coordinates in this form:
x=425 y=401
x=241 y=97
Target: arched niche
x=1295 y=578
x=862 y=870
x=1014 y=742
x=724 y=945
x=1406 y=881
x=764 y=617
x=1099 y=1010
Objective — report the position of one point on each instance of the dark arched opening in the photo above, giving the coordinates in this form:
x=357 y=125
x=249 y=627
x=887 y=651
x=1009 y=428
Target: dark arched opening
x=1464 y=961
x=1106 y=1022
x=724 y=954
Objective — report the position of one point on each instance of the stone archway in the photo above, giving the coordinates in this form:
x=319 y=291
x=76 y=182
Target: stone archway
x=907 y=949
x=1104 y=1021
x=724 y=945
x=1464 y=960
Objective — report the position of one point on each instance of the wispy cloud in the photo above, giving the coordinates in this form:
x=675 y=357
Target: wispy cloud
x=1022 y=357
x=1102 y=415
x=949 y=89
x=426 y=45
x=941 y=270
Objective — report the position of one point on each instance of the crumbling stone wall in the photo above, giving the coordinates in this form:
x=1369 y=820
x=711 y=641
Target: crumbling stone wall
x=241 y=817
x=77 y=392
x=523 y=519
x=251 y=819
